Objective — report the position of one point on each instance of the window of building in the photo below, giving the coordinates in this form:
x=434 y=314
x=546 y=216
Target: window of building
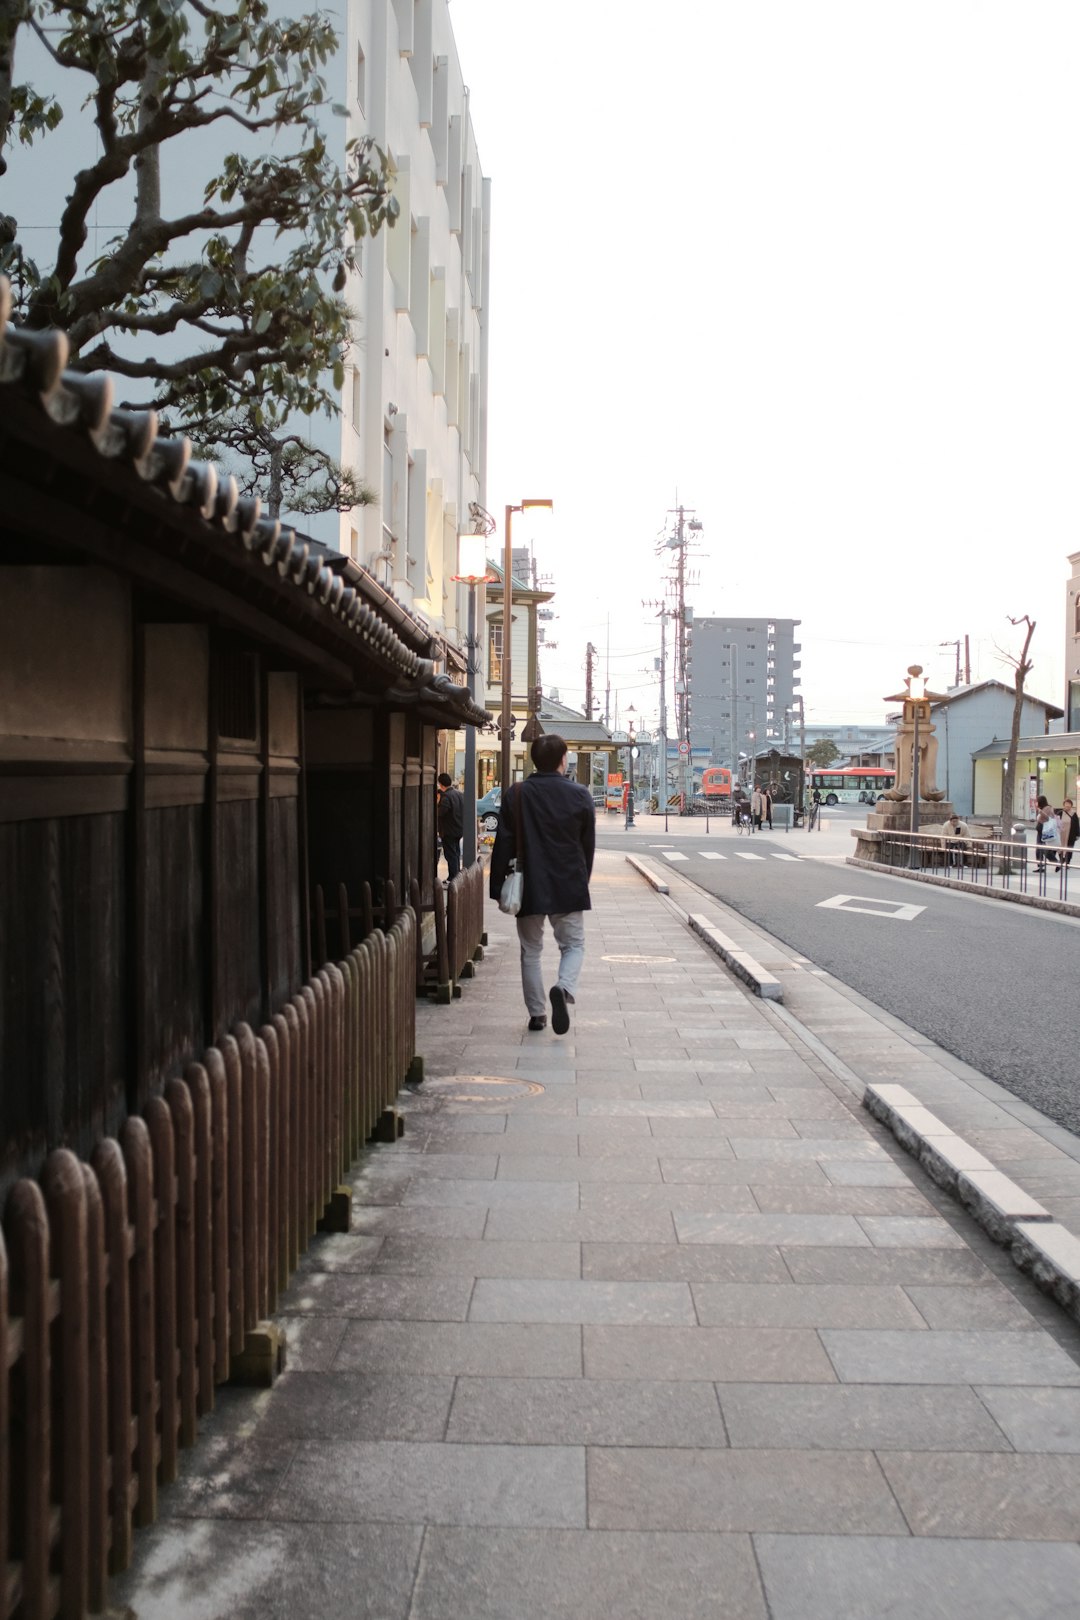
x=495 y=644
x=354 y=398
x=361 y=78
x=1076 y=617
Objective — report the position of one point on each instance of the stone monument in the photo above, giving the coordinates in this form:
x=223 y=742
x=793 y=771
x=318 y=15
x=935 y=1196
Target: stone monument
x=896 y=811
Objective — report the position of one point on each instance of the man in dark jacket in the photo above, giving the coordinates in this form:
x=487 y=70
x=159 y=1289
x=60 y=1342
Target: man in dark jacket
x=548 y=823
x=451 y=819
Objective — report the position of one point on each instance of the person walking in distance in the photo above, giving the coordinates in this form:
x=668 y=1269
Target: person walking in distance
x=451 y=815
x=547 y=824
x=1070 y=830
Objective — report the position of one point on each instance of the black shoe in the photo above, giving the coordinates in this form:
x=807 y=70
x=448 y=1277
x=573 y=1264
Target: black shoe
x=539 y=1022
x=560 y=1018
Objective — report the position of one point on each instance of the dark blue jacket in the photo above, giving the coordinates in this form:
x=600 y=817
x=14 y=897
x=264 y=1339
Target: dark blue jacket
x=558 y=838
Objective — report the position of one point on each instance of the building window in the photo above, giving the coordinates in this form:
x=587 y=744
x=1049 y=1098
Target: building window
x=361 y=78
x=1076 y=615
x=354 y=398
x=495 y=643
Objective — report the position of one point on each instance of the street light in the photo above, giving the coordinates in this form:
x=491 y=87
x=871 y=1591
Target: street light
x=632 y=751
x=507 y=621
x=473 y=572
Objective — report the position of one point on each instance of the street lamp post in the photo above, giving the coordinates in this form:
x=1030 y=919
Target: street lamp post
x=632 y=751
x=507 y=623
x=472 y=572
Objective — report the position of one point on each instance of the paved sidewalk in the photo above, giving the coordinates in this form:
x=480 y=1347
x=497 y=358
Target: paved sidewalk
x=682 y=1335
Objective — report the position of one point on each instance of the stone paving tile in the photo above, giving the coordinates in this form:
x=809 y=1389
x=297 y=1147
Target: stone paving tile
x=435 y=1219
x=815 y=1305
x=480 y=1348
x=715 y=1196
x=595 y=1412
x=539 y=1575
x=341 y=1251
x=715 y=1166
x=801 y=1102
x=824 y=1148
x=541 y=1487
x=312 y=1341
x=461 y=1257
x=1011 y=1497
x=225 y=1571
x=542 y=1195
x=904 y=1232
x=901 y=1266
x=603 y=1126
x=452 y=1166
x=506 y=1300
x=351 y=1294
x=739 y=1355
x=668 y=1262
x=945 y=1357
x=606 y=1168
x=892 y=1578
x=860 y=1417
x=740 y=1490
x=581 y=1226
x=971 y=1308
x=333 y=1405
x=783 y=1230
x=1040 y=1419
x=527 y=1145
x=653 y=1108
x=787 y=1200
x=221 y=1479
x=843 y=1174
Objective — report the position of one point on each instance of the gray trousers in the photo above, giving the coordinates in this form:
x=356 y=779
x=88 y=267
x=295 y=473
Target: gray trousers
x=569 y=930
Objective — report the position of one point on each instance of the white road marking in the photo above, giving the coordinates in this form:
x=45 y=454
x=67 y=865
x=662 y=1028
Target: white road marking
x=711 y=855
x=777 y=856
x=673 y=855
x=871 y=907
x=744 y=855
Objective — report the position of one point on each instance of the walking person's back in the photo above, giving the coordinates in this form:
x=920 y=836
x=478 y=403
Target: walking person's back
x=548 y=824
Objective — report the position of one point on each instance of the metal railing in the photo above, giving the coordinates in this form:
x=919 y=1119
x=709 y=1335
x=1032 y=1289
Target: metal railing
x=990 y=863
x=133 y=1285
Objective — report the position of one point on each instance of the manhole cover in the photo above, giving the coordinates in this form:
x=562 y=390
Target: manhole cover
x=487 y=1088
x=637 y=959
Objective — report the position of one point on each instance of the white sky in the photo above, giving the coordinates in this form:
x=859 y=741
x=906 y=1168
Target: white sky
x=812 y=267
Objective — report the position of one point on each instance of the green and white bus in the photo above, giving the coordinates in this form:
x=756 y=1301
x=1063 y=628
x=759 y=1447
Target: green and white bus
x=852 y=784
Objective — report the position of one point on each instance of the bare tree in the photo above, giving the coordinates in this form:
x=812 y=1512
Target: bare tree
x=1022 y=665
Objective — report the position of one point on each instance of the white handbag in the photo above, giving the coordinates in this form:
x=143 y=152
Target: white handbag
x=512 y=892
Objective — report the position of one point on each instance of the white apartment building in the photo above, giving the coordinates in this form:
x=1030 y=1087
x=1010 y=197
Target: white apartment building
x=414 y=411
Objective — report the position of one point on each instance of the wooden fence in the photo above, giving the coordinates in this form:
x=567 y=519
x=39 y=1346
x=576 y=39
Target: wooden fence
x=459 y=934
x=132 y=1285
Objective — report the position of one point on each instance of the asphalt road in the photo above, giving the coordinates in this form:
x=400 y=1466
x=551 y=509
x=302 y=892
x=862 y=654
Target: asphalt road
x=997 y=985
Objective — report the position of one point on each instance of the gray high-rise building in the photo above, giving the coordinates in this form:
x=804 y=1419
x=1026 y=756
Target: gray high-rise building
x=743 y=682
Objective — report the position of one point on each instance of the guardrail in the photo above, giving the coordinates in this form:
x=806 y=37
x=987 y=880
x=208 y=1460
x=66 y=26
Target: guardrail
x=993 y=863
x=133 y=1285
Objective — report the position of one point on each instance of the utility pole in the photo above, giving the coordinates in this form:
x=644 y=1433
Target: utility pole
x=607 y=675
x=956 y=645
x=590 y=665
x=663 y=614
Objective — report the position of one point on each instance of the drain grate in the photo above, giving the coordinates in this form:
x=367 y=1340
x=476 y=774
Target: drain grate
x=487 y=1088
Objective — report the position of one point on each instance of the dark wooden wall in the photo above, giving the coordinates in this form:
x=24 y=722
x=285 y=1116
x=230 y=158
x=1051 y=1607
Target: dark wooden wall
x=151 y=874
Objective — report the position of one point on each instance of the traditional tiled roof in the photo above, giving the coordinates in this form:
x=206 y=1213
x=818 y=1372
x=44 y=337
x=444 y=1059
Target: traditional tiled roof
x=341 y=597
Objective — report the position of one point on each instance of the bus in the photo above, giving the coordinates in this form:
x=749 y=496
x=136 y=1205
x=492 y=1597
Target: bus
x=852 y=784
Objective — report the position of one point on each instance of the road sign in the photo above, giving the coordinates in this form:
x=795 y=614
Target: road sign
x=684 y=747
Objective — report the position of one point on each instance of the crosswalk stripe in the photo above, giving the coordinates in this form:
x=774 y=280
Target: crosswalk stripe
x=744 y=855
x=711 y=855
x=778 y=857
x=672 y=855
